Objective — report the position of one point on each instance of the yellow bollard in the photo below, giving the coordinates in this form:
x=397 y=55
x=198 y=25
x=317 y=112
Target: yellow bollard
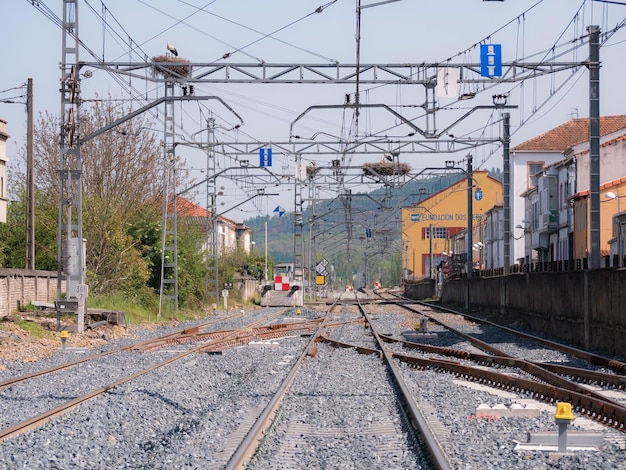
x=64 y=336
x=563 y=416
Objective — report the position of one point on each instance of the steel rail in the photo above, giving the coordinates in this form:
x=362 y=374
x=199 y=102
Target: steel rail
x=535 y=369
x=133 y=346
x=593 y=402
x=250 y=443
x=587 y=375
x=538 y=370
x=601 y=410
x=595 y=359
x=437 y=454
x=42 y=418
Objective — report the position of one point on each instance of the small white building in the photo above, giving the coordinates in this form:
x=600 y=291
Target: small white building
x=231 y=235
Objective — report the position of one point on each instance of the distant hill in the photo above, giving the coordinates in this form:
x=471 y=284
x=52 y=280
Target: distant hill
x=378 y=210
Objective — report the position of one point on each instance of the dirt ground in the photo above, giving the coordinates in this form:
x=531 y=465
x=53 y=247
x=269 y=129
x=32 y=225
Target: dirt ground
x=17 y=344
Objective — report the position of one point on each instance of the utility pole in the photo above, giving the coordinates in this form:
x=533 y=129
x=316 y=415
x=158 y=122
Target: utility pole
x=430 y=250
x=470 y=216
x=506 y=185
x=594 y=144
x=30 y=179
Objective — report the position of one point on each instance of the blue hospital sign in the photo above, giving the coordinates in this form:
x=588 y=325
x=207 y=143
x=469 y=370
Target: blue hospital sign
x=265 y=156
x=491 y=60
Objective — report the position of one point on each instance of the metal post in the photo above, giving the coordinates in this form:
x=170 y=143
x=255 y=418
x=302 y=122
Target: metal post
x=430 y=237
x=506 y=185
x=30 y=180
x=265 y=268
x=71 y=258
x=619 y=244
x=470 y=216
x=406 y=261
x=594 y=144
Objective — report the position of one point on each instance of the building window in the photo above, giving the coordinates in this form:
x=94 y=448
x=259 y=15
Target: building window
x=438 y=232
x=533 y=169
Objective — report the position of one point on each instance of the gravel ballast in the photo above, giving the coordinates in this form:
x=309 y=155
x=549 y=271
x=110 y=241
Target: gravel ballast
x=340 y=411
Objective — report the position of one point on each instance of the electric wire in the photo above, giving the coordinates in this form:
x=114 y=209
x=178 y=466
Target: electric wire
x=264 y=34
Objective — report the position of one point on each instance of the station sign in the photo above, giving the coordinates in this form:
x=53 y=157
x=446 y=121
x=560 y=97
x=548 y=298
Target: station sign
x=491 y=60
x=265 y=156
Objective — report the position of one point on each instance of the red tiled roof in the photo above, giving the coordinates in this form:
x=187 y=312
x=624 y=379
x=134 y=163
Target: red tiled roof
x=603 y=187
x=186 y=208
x=571 y=133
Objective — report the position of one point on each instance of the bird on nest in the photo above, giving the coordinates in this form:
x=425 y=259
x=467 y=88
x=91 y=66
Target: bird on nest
x=172 y=49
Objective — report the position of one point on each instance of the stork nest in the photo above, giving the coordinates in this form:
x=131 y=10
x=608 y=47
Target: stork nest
x=386 y=169
x=312 y=170
x=176 y=68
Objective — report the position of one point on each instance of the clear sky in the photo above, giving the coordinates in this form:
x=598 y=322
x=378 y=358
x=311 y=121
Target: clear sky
x=288 y=31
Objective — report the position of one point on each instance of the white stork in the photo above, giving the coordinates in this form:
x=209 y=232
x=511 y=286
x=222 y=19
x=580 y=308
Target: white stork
x=172 y=49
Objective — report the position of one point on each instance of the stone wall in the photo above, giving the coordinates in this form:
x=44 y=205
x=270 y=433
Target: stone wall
x=25 y=286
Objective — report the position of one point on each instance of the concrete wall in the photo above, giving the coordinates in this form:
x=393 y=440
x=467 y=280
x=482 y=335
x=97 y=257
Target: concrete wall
x=424 y=289
x=584 y=308
x=282 y=298
x=25 y=285
x=247 y=285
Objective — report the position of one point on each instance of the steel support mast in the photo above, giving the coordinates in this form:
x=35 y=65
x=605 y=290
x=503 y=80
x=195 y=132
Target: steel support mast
x=169 y=240
x=71 y=255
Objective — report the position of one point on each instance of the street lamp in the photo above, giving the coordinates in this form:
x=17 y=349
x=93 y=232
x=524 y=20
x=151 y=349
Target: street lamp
x=612 y=195
x=524 y=226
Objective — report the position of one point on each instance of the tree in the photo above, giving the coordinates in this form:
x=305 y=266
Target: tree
x=121 y=179
x=13 y=233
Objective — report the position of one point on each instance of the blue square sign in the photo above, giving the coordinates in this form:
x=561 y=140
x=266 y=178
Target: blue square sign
x=265 y=156
x=491 y=60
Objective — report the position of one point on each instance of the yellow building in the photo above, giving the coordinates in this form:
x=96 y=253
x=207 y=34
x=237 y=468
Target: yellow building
x=443 y=215
x=610 y=228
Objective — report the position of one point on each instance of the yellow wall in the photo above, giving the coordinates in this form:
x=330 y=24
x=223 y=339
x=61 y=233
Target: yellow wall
x=446 y=211
x=582 y=216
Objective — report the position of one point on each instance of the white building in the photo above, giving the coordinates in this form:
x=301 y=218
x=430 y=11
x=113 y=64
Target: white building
x=557 y=161
x=231 y=235
x=556 y=205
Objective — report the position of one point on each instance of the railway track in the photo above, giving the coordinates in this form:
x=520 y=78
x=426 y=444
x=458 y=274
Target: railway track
x=353 y=385
x=595 y=387
x=407 y=441
x=199 y=342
